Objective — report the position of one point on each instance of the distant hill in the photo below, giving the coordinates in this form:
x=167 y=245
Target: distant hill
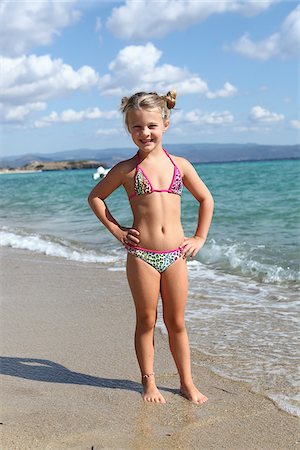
x=61 y=165
x=196 y=153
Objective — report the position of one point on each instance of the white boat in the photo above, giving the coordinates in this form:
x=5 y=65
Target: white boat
x=101 y=172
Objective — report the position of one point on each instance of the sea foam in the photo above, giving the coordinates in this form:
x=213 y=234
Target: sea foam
x=42 y=244
x=246 y=260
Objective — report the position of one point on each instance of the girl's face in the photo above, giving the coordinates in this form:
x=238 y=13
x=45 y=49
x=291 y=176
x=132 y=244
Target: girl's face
x=146 y=127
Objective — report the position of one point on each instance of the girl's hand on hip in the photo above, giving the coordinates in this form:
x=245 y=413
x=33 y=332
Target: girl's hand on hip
x=192 y=245
x=129 y=236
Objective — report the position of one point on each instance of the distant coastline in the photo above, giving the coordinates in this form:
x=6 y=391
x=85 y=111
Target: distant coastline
x=202 y=153
x=4 y=171
x=75 y=165
x=46 y=166
x=292 y=158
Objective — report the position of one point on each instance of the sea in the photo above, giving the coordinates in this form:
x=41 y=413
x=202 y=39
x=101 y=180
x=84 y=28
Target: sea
x=243 y=306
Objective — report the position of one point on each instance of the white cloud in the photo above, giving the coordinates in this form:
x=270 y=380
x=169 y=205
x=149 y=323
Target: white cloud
x=134 y=57
x=197 y=117
x=259 y=114
x=285 y=43
x=252 y=129
x=46 y=121
x=98 y=24
x=26 y=24
x=252 y=7
x=108 y=131
x=136 y=68
x=263 y=88
x=295 y=124
x=32 y=78
x=228 y=90
x=71 y=116
x=244 y=128
x=144 y=19
x=18 y=114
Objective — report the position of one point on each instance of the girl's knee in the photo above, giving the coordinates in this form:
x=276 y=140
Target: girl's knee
x=146 y=322
x=174 y=325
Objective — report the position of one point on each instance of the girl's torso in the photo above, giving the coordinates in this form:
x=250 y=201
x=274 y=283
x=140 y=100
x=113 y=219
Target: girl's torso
x=154 y=192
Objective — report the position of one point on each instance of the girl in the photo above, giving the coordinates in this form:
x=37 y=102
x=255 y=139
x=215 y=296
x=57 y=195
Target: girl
x=156 y=245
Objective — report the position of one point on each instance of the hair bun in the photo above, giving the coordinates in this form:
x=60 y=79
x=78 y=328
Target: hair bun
x=171 y=99
x=124 y=103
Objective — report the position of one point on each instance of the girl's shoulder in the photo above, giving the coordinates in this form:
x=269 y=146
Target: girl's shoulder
x=125 y=166
x=123 y=170
x=182 y=163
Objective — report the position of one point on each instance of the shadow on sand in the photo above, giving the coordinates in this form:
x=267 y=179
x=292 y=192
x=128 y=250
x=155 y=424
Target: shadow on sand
x=51 y=372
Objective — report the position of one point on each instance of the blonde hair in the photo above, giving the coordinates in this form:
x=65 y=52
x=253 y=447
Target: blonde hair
x=148 y=100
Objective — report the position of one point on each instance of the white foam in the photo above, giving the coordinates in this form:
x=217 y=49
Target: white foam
x=288 y=404
x=39 y=244
x=243 y=259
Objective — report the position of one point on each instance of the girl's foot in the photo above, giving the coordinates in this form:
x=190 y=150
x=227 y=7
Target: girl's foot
x=191 y=393
x=151 y=393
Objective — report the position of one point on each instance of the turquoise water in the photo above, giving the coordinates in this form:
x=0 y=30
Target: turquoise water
x=242 y=310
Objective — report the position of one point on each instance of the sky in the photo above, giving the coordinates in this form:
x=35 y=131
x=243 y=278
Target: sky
x=65 y=65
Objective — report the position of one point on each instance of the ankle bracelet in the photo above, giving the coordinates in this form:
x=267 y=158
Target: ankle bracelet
x=148 y=375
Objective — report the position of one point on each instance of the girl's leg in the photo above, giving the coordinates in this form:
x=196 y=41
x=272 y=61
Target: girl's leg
x=144 y=282
x=174 y=287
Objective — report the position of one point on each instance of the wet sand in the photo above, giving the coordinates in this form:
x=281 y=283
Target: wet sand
x=70 y=379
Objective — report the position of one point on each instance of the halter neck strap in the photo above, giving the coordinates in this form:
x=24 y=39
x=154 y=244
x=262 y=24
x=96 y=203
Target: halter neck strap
x=138 y=161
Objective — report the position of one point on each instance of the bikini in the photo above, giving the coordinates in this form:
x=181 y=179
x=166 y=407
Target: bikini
x=160 y=260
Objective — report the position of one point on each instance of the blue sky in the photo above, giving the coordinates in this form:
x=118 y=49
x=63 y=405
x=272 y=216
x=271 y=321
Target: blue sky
x=65 y=66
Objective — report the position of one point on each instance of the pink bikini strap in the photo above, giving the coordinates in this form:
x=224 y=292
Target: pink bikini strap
x=136 y=168
x=180 y=248
x=137 y=158
x=169 y=157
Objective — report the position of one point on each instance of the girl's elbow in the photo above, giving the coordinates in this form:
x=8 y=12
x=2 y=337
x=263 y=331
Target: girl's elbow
x=208 y=200
x=211 y=203
x=91 y=199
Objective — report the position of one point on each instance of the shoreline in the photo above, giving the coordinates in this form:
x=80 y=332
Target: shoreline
x=50 y=166
x=5 y=171
x=71 y=378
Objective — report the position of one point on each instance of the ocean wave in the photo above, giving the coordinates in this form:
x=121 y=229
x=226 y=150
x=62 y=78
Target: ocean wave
x=246 y=260
x=51 y=246
x=289 y=403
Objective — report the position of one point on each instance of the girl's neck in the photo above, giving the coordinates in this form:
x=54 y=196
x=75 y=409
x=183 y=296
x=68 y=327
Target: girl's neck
x=152 y=154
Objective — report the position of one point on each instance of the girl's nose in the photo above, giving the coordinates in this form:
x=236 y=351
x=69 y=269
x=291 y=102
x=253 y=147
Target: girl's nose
x=145 y=131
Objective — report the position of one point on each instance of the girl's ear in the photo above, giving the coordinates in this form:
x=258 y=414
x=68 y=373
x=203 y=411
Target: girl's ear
x=166 y=124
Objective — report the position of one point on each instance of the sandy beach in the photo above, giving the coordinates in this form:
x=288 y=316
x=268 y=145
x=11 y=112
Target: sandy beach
x=70 y=379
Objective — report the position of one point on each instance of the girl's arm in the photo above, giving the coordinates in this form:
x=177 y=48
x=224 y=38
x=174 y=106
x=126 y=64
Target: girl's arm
x=101 y=191
x=197 y=188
